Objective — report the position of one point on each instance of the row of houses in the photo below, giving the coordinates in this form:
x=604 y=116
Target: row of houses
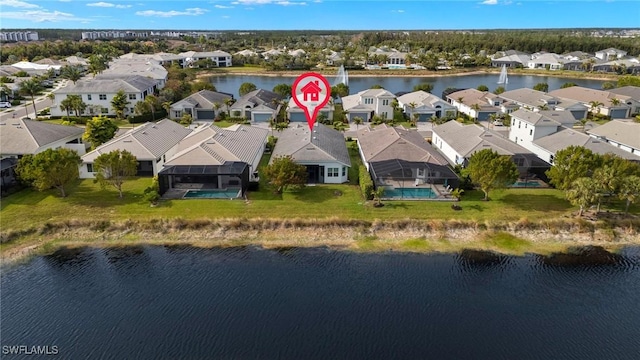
x=606 y=60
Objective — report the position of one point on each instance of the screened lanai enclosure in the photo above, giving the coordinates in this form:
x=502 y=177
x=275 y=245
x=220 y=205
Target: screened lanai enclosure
x=229 y=180
x=413 y=180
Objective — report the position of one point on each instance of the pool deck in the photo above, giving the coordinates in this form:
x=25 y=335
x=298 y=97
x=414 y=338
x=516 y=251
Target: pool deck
x=442 y=194
x=181 y=190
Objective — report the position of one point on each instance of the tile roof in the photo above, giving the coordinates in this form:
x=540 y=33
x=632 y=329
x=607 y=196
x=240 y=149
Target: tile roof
x=148 y=141
x=474 y=96
x=566 y=137
x=212 y=145
x=131 y=84
x=125 y=69
x=326 y=144
x=467 y=139
x=386 y=143
x=586 y=95
x=422 y=98
x=630 y=91
x=19 y=137
x=204 y=99
x=256 y=98
x=623 y=132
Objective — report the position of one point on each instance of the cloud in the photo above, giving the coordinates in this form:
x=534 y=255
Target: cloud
x=489 y=2
x=267 y=2
x=108 y=5
x=226 y=16
x=18 y=4
x=41 y=16
x=222 y=7
x=397 y=11
x=186 y=12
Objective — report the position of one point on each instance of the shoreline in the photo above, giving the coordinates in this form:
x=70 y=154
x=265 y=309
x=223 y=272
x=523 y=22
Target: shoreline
x=403 y=73
x=516 y=239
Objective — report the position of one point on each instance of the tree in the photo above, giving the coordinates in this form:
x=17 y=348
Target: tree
x=628 y=80
x=378 y=194
x=246 y=88
x=72 y=72
x=228 y=102
x=283 y=173
x=152 y=193
x=76 y=103
x=339 y=90
x=595 y=105
x=583 y=193
x=426 y=87
x=482 y=88
x=284 y=90
x=499 y=90
x=99 y=130
x=377 y=86
x=119 y=103
x=544 y=87
x=202 y=85
x=114 y=168
x=608 y=85
x=357 y=120
x=629 y=190
x=152 y=103
x=615 y=101
x=491 y=171
x=97 y=64
x=570 y=164
x=50 y=168
x=31 y=88
x=567 y=85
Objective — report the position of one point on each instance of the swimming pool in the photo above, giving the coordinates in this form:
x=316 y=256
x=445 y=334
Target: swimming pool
x=409 y=193
x=211 y=194
x=526 y=184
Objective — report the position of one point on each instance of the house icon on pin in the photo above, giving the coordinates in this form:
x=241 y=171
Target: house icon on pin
x=311 y=91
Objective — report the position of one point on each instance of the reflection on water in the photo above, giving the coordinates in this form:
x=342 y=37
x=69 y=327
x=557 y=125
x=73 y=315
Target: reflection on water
x=247 y=302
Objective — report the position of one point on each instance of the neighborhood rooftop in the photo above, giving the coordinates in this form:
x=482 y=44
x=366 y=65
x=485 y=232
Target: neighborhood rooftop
x=324 y=143
x=26 y=136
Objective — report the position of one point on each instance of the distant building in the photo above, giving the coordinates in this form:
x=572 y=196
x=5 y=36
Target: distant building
x=19 y=36
x=111 y=34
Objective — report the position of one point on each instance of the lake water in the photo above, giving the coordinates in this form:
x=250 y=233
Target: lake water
x=246 y=303
x=231 y=83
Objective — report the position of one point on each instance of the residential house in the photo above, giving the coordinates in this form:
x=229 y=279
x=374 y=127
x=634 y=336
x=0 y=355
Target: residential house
x=401 y=155
x=219 y=58
x=475 y=103
x=425 y=106
x=634 y=93
x=334 y=58
x=610 y=54
x=257 y=106
x=246 y=53
x=125 y=69
x=599 y=101
x=297 y=53
x=367 y=103
x=528 y=126
x=548 y=61
x=621 y=66
x=296 y=114
x=622 y=134
x=27 y=137
x=535 y=100
x=21 y=137
x=546 y=147
x=98 y=93
x=512 y=59
x=458 y=142
x=77 y=61
x=209 y=155
x=205 y=105
x=269 y=54
x=34 y=69
x=323 y=151
x=151 y=143
x=389 y=57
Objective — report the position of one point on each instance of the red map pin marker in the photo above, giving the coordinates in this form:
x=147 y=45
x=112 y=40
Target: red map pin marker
x=311 y=92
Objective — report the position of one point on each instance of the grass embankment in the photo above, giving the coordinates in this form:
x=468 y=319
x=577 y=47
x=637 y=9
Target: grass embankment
x=515 y=221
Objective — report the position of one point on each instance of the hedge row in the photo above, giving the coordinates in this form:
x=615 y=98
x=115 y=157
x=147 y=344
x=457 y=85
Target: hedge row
x=366 y=184
x=159 y=115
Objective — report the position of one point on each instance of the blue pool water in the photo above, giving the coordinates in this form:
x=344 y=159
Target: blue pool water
x=212 y=194
x=526 y=184
x=410 y=193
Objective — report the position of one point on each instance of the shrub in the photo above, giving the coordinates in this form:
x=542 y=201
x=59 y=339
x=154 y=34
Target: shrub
x=366 y=183
x=271 y=143
x=138 y=119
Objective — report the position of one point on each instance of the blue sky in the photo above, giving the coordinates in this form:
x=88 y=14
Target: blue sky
x=318 y=14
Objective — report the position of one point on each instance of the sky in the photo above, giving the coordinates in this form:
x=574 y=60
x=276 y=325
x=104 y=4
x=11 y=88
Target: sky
x=211 y=15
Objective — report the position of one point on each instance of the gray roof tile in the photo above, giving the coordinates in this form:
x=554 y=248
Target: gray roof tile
x=19 y=137
x=324 y=144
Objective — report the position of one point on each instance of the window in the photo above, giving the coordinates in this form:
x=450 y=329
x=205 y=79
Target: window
x=513 y=122
x=385 y=102
x=551 y=159
x=88 y=96
x=132 y=96
x=368 y=101
x=333 y=172
x=384 y=115
x=131 y=110
x=420 y=172
x=519 y=161
x=90 y=168
x=102 y=96
x=519 y=124
x=344 y=171
x=531 y=132
x=104 y=110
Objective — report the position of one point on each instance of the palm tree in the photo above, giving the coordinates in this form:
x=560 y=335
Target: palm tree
x=167 y=107
x=77 y=104
x=119 y=103
x=615 y=101
x=216 y=108
x=412 y=106
x=65 y=105
x=73 y=73
x=31 y=88
x=228 y=102
x=476 y=108
x=152 y=102
x=357 y=120
x=595 y=105
x=543 y=107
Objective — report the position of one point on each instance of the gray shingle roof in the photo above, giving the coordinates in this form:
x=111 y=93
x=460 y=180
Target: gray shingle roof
x=204 y=99
x=256 y=98
x=133 y=84
x=630 y=91
x=19 y=137
x=467 y=139
x=146 y=142
x=623 y=132
x=324 y=144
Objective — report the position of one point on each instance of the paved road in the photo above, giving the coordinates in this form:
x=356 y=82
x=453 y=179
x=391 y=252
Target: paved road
x=18 y=112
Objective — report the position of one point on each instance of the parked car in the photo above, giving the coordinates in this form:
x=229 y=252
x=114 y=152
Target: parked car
x=5 y=104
